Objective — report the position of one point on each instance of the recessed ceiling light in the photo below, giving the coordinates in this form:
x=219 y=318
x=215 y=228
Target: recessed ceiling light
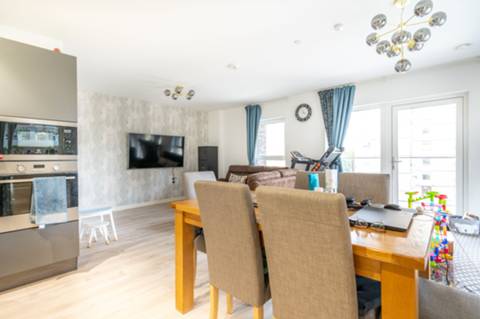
x=232 y=66
x=463 y=46
x=338 y=27
x=297 y=42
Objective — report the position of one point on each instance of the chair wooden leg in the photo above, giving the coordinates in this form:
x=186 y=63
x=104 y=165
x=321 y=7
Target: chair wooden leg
x=229 y=304
x=258 y=312
x=213 y=302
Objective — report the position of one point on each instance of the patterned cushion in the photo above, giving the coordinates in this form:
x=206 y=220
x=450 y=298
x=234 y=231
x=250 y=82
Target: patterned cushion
x=234 y=178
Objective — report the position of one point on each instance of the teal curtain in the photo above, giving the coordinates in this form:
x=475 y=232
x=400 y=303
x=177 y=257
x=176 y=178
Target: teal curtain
x=337 y=107
x=254 y=113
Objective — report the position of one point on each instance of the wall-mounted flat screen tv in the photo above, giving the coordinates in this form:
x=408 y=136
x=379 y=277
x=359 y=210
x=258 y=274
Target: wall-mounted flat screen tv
x=153 y=151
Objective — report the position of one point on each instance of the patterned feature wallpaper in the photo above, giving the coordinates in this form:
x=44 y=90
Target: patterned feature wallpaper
x=103 y=124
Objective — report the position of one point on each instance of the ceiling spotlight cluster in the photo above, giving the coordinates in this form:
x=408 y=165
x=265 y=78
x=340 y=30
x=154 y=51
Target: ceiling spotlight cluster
x=401 y=38
x=178 y=92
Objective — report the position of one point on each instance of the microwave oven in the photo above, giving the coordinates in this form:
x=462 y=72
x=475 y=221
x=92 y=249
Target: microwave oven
x=31 y=139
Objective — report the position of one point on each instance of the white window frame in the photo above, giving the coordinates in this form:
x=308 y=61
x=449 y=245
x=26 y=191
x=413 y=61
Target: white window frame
x=387 y=140
x=459 y=154
x=265 y=158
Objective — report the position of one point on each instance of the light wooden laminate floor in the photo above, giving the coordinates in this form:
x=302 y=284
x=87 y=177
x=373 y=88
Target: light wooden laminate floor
x=130 y=278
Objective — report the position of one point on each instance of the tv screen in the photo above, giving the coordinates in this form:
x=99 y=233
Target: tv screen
x=151 y=151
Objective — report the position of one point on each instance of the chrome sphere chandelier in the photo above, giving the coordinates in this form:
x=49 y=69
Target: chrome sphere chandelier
x=402 y=39
x=178 y=92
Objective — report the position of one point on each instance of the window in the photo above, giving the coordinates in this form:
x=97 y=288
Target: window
x=363 y=142
x=270 y=149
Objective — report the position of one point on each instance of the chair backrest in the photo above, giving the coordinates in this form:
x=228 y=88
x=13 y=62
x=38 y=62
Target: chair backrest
x=309 y=253
x=235 y=261
x=365 y=186
x=301 y=181
x=441 y=302
x=358 y=185
x=189 y=179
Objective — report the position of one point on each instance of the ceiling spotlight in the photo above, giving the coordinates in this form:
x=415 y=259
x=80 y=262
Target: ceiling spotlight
x=178 y=92
x=338 y=27
x=232 y=66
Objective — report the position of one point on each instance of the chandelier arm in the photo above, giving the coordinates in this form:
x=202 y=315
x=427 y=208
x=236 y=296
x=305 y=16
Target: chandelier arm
x=388 y=32
x=401 y=18
x=408 y=20
x=417 y=23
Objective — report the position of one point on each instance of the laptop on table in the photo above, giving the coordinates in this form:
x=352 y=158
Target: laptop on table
x=397 y=220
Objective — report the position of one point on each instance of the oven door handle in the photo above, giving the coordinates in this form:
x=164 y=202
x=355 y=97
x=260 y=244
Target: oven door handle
x=26 y=180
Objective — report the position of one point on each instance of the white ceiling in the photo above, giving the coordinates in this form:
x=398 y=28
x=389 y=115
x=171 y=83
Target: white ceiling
x=138 y=48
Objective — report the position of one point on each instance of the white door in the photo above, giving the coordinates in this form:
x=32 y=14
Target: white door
x=427 y=150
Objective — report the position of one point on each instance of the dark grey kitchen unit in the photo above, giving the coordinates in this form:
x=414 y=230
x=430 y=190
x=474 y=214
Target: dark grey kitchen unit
x=29 y=253
x=37 y=83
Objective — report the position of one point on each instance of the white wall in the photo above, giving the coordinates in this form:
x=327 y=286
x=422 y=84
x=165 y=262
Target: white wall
x=305 y=137
x=309 y=137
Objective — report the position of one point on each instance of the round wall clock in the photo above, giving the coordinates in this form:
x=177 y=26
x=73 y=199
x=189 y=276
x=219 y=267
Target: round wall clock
x=303 y=112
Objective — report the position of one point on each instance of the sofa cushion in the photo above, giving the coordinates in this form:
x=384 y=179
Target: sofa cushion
x=262 y=176
x=248 y=169
x=270 y=179
x=234 y=178
x=286 y=172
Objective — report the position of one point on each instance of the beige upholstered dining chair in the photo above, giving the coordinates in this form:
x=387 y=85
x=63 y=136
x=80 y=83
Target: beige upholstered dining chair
x=235 y=261
x=358 y=185
x=309 y=254
x=438 y=301
x=189 y=179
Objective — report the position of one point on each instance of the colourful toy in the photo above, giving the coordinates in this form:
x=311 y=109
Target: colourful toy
x=431 y=196
x=441 y=250
x=441 y=254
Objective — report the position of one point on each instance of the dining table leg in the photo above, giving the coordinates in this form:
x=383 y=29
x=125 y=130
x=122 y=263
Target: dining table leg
x=184 y=264
x=399 y=292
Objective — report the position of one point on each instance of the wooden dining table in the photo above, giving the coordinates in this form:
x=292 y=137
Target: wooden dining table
x=396 y=259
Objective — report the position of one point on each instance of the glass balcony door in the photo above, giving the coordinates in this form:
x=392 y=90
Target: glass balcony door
x=427 y=150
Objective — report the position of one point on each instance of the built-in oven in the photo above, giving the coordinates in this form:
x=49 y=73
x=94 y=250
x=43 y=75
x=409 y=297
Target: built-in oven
x=31 y=148
x=16 y=183
x=31 y=139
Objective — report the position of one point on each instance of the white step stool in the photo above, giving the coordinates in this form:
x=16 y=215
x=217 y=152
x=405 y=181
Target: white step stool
x=91 y=227
x=95 y=213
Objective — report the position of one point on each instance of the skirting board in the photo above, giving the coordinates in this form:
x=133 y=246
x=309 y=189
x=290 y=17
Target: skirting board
x=150 y=203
